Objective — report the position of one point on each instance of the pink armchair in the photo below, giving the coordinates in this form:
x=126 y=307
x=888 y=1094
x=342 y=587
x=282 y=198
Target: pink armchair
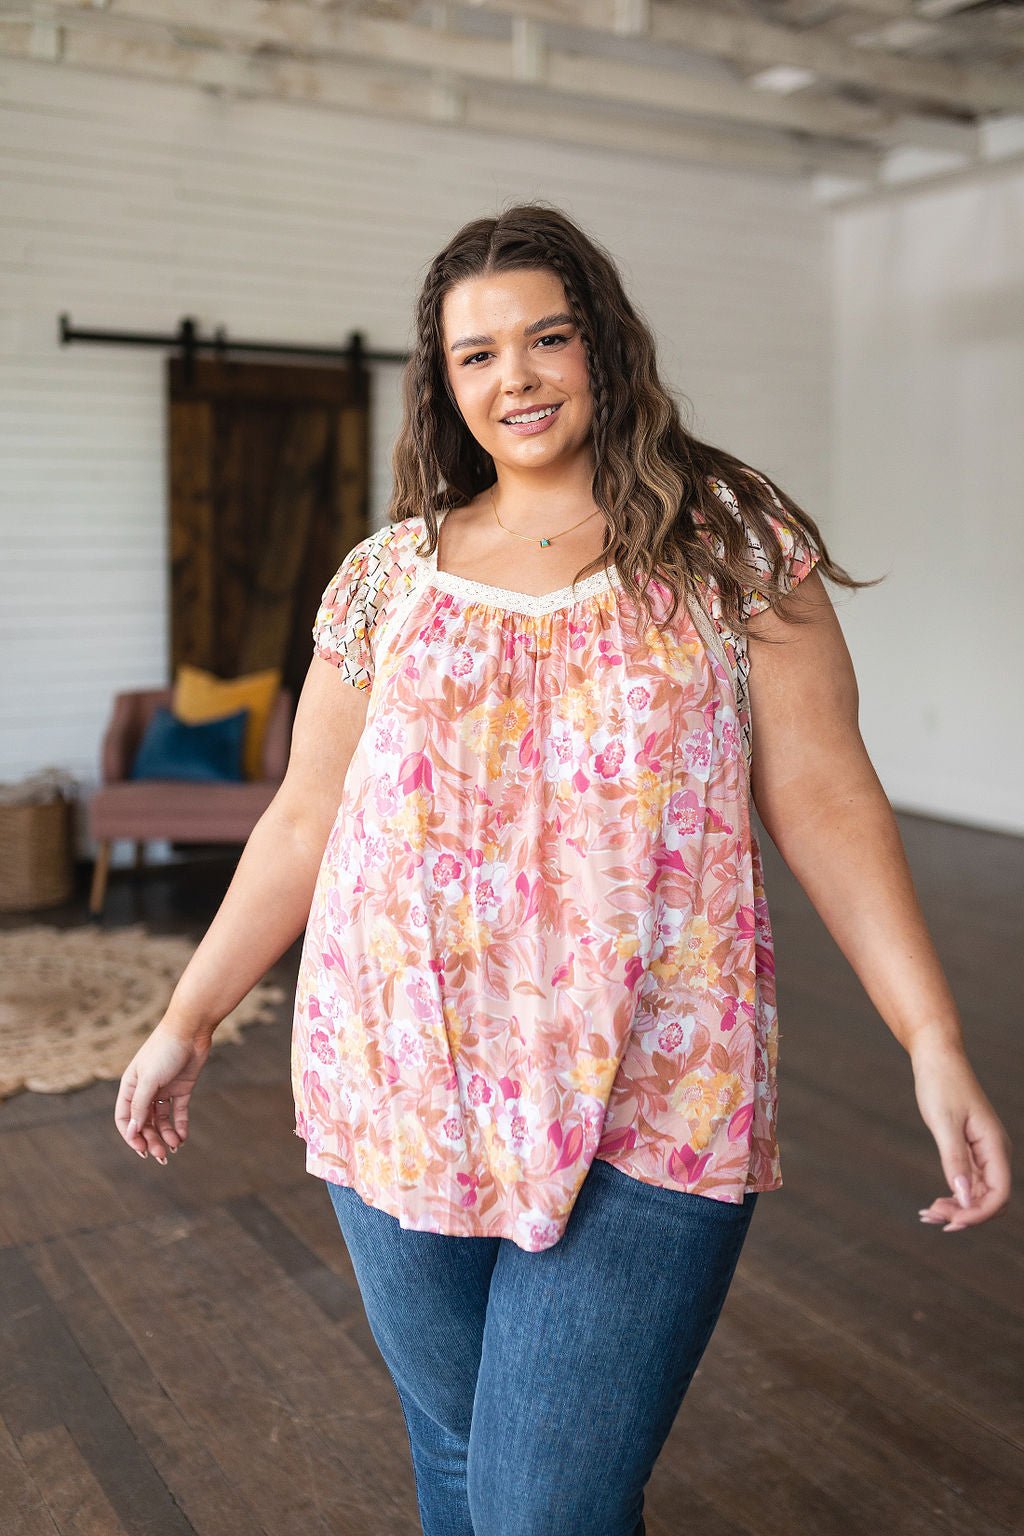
x=185 y=812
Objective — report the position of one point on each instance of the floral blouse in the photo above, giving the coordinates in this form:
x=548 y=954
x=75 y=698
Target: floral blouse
x=539 y=932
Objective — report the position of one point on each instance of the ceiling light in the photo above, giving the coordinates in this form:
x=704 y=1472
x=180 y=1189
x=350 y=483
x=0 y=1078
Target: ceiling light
x=782 y=78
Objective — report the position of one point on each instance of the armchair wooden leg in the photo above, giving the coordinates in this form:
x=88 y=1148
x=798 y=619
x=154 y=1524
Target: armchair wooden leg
x=99 y=878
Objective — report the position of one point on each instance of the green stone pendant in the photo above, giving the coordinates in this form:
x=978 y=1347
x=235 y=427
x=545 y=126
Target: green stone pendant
x=544 y=543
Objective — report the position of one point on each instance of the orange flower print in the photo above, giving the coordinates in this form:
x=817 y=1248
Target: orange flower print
x=501 y=1160
x=707 y=1101
x=410 y=1150
x=651 y=796
x=593 y=1074
x=373 y=1168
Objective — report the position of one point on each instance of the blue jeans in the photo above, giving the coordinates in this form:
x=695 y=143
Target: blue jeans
x=539 y=1388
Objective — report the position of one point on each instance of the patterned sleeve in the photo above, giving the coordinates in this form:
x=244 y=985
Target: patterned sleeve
x=343 y=628
x=800 y=554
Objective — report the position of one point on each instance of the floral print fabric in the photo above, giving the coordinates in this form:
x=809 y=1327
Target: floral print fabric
x=539 y=932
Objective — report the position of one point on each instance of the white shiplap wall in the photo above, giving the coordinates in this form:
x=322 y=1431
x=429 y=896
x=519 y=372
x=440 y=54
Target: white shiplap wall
x=130 y=204
x=928 y=488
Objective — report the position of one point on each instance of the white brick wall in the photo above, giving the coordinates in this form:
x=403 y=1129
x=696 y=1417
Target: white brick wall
x=130 y=204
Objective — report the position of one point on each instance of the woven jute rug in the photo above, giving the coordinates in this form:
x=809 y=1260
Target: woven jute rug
x=76 y=1004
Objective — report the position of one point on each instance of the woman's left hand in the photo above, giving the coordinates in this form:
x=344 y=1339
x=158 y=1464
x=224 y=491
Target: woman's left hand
x=972 y=1140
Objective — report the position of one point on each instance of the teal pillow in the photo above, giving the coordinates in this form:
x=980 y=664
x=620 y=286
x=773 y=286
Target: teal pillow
x=211 y=751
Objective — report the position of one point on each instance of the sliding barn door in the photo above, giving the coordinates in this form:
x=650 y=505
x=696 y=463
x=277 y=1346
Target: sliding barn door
x=269 y=490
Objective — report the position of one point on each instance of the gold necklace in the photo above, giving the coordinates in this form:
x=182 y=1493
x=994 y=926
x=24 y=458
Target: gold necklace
x=530 y=539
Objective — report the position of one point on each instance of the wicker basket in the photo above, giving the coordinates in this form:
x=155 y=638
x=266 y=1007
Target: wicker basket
x=36 y=868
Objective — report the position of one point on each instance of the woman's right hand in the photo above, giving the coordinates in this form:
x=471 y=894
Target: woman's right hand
x=153 y=1100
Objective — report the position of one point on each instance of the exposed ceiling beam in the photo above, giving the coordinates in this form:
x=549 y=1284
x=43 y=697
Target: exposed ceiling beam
x=353 y=88
x=290 y=26
x=753 y=43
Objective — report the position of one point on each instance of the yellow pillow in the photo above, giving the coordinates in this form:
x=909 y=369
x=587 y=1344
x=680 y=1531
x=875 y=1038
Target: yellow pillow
x=200 y=696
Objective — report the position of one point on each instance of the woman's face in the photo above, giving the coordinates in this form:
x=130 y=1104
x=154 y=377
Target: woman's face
x=511 y=348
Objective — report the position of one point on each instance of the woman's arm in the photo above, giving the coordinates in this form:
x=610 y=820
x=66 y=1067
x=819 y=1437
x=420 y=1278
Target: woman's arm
x=822 y=804
x=264 y=910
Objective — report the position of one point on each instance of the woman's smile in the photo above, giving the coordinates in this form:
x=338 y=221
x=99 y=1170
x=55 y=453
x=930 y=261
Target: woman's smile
x=529 y=423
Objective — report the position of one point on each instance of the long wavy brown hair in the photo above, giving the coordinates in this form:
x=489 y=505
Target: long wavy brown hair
x=653 y=480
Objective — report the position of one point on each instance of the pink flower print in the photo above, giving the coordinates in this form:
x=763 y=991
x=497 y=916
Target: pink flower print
x=709 y=712
x=592 y=1122
x=486 y=899
x=478 y=1090
x=409 y=1050
x=387 y=800
x=529 y=753
x=321 y=1046
x=434 y=632
x=666 y=925
x=638 y=698
x=421 y=998
x=730 y=739
x=577 y=635
x=517 y=642
x=531 y=893
x=697 y=753
x=452 y=1128
x=685 y=1165
x=608 y=763
x=387 y=739
x=447 y=869
x=671 y=1037
x=469 y=1182
x=559 y=750
x=517 y=1129
x=415 y=772
x=684 y=813
x=375 y=852
x=542 y=1234
x=461 y=664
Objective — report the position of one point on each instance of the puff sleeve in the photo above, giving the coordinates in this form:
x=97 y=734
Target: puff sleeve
x=342 y=631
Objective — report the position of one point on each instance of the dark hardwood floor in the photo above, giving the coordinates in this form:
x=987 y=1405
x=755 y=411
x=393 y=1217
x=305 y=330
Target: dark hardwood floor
x=185 y=1349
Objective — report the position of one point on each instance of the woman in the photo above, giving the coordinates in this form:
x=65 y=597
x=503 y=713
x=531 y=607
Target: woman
x=535 y=1006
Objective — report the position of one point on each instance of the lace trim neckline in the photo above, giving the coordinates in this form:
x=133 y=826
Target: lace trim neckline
x=506 y=597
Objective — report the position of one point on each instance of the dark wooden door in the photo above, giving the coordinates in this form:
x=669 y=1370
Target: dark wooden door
x=269 y=490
